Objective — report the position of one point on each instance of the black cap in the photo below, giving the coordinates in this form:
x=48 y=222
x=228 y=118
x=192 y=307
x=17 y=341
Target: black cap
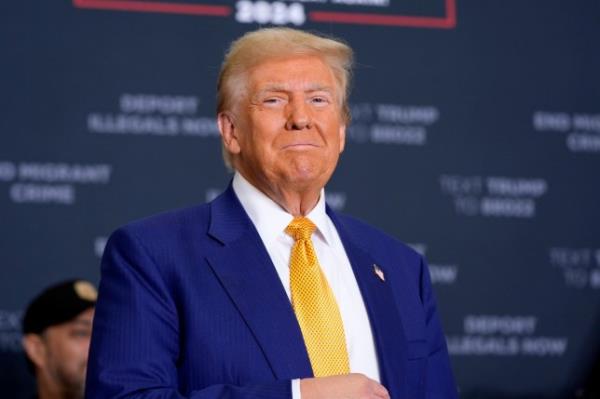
x=59 y=304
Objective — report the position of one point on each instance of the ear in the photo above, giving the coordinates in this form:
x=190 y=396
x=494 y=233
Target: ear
x=342 y=138
x=35 y=348
x=226 y=123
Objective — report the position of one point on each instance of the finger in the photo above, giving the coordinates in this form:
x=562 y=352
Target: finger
x=381 y=392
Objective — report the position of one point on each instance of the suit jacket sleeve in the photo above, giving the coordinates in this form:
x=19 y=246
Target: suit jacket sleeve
x=440 y=379
x=136 y=341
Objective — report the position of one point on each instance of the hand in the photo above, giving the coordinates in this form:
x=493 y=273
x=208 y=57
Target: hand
x=349 y=386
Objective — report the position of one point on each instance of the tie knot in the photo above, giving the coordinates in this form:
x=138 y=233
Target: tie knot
x=300 y=228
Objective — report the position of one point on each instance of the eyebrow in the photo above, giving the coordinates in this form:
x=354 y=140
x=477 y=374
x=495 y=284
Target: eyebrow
x=82 y=322
x=280 y=87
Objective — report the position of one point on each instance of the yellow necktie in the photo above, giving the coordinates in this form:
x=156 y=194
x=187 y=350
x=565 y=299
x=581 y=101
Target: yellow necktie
x=315 y=306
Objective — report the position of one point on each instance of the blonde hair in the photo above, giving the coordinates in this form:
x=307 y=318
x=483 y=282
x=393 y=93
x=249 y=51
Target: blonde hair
x=260 y=45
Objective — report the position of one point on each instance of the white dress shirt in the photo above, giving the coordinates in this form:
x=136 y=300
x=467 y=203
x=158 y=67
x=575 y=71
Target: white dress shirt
x=270 y=220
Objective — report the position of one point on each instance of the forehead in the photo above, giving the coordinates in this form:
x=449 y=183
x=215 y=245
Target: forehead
x=82 y=319
x=300 y=72
x=85 y=316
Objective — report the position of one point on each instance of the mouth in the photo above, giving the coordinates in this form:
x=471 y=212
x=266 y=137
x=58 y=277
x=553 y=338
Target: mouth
x=300 y=146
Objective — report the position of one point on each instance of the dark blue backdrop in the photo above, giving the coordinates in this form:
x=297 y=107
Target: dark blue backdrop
x=488 y=110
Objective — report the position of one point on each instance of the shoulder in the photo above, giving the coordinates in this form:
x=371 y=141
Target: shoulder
x=375 y=241
x=171 y=220
x=406 y=268
x=158 y=247
x=166 y=227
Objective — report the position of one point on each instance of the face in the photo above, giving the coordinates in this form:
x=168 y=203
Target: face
x=66 y=353
x=286 y=132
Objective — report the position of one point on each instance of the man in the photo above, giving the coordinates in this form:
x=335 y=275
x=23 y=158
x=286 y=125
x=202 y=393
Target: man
x=56 y=337
x=265 y=292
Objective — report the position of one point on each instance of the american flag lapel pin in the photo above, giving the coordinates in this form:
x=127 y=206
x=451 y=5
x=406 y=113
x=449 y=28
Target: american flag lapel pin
x=378 y=272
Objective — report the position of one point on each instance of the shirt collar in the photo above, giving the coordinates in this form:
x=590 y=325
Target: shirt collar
x=269 y=218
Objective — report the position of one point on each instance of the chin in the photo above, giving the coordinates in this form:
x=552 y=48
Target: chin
x=306 y=171
x=308 y=178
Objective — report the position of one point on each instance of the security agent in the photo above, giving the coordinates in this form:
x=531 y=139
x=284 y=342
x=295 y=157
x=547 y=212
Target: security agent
x=56 y=336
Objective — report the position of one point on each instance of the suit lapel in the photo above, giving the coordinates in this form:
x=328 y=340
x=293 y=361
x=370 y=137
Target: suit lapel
x=383 y=314
x=246 y=271
x=244 y=267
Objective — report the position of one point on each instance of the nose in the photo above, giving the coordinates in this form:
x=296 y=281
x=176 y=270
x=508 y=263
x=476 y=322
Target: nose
x=298 y=116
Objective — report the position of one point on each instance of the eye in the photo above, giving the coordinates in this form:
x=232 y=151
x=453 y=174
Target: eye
x=273 y=101
x=80 y=333
x=319 y=100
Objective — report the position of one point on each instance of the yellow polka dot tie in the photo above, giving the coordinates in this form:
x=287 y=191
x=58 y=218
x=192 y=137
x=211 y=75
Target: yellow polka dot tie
x=315 y=306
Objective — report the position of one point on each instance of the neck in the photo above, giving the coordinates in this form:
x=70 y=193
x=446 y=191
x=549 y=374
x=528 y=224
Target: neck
x=297 y=200
x=296 y=203
x=48 y=389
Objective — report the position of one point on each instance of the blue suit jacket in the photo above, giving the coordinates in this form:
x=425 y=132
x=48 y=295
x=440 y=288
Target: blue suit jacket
x=190 y=306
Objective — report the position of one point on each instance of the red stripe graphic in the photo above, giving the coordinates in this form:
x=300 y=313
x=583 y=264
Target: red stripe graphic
x=147 y=6
x=446 y=22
